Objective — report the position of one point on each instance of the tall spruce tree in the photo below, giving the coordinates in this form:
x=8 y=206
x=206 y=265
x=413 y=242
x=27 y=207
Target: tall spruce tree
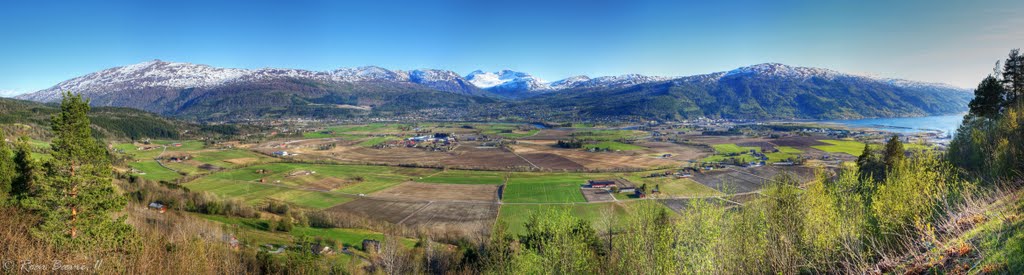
x=27 y=170
x=1013 y=76
x=76 y=198
x=893 y=152
x=7 y=171
x=868 y=165
x=988 y=98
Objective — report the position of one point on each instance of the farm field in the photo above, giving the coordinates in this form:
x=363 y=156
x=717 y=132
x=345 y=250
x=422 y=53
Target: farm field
x=506 y=130
x=152 y=171
x=612 y=146
x=722 y=158
x=515 y=215
x=348 y=131
x=455 y=217
x=230 y=158
x=466 y=177
x=350 y=237
x=727 y=152
x=254 y=193
x=850 y=147
x=607 y=135
x=370 y=142
x=308 y=185
x=597 y=195
x=133 y=151
x=416 y=191
x=731 y=148
x=784 y=153
x=675 y=188
x=546 y=188
x=575 y=160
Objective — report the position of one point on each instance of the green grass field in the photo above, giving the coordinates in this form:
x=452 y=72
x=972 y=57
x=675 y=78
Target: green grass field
x=515 y=216
x=466 y=177
x=222 y=158
x=132 y=150
x=733 y=148
x=348 y=131
x=153 y=171
x=614 y=146
x=281 y=184
x=548 y=187
x=370 y=142
x=784 y=153
x=723 y=158
x=607 y=135
x=505 y=130
x=850 y=147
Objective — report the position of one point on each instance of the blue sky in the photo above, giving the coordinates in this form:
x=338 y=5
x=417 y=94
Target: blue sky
x=45 y=42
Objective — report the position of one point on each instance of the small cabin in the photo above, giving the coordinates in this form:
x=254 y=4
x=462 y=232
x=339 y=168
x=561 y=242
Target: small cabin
x=371 y=246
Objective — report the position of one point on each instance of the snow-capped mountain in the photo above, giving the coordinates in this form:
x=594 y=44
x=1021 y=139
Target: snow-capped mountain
x=779 y=71
x=519 y=84
x=178 y=75
x=8 y=93
x=769 y=90
x=507 y=83
x=210 y=93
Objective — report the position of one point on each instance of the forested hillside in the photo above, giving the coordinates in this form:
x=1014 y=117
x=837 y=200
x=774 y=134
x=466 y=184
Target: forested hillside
x=757 y=96
x=33 y=119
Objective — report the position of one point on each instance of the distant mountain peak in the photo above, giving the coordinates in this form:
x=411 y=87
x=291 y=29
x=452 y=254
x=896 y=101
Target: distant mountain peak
x=782 y=70
x=181 y=75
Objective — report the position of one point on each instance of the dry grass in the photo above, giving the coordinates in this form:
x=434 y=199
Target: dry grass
x=166 y=244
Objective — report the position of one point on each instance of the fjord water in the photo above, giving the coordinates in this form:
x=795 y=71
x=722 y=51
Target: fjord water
x=946 y=123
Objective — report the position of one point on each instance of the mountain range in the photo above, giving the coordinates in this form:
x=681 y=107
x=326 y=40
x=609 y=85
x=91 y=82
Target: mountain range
x=769 y=90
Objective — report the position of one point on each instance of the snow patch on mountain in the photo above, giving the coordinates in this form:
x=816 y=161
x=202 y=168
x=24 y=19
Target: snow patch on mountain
x=508 y=81
x=180 y=75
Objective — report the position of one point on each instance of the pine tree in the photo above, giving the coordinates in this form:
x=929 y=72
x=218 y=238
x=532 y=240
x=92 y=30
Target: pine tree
x=7 y=171
x=988 y=98
x=1013 y=76
x=76 y=198
x=27 y=170
x=868 y=165
x=893 y=152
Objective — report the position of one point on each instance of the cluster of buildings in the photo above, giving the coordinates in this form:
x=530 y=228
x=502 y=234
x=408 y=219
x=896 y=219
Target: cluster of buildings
x=617 y=185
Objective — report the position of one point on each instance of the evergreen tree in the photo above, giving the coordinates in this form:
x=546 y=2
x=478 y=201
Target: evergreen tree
x=26 y=169
x=893 y=152
x=988 y=98
x=1013 y=76
x=76 y=198
x=868 y=164
x=7 y=171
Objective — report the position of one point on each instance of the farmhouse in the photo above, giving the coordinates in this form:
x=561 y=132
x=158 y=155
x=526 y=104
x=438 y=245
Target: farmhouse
x=600 y=183
x=622 y=184
x=371 y=246
x=625 y=186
